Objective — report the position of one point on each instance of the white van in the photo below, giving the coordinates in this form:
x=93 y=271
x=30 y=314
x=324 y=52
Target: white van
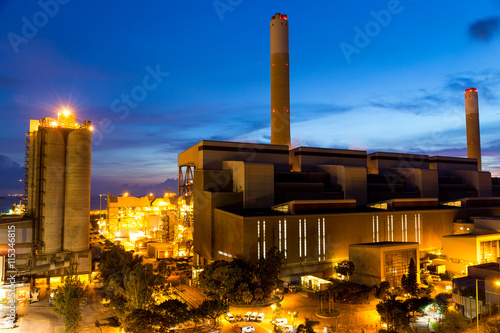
x=247 y=329
x=253 y=316
x=247 y=316
x=281 y=321
x=260 y=317
x=229 y=317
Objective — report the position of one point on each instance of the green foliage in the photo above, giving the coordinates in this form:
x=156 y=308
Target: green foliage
x=307 y=326
x=269 y=270
x=394 y=313
x=67 y=302
x=409 y=281
x=492 y=326
x=132 y=286
x=214 y=308
x=453 y=322
x=348 y=292
x=240 y=281
x=382 y=289
x=447 y=276
x=345 y=268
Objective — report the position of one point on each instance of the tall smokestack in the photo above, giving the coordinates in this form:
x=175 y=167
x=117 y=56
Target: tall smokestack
x=280 y=81
x=472 y=123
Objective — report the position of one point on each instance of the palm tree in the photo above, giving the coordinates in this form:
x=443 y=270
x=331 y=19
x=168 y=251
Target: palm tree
x=308 y=326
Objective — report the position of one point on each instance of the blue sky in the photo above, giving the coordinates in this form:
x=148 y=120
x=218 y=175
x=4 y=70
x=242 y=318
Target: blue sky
x=401 y=91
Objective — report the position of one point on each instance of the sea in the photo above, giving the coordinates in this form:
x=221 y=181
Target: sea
x=6 y=203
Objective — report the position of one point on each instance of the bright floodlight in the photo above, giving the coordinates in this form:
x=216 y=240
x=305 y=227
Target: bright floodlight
x=66 y=112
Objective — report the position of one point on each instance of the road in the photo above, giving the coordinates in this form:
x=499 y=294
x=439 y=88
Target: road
x=354 y=317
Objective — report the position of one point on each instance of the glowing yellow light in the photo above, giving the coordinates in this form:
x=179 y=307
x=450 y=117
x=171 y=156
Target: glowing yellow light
x=125 y=194
x=54 y=123
x=91 y=128
x=66 y=112
x=497 y=283
x=150 y=194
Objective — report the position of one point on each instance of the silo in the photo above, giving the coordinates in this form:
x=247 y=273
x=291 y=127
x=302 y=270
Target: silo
x=52 y=152
x=32 y=173
x=77 y=190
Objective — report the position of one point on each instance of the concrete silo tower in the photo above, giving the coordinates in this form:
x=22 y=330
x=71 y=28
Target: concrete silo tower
x=472 y=124
x=59 y=183
x=280 y=81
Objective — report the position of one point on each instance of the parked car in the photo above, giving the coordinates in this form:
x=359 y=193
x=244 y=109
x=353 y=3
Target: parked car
x=238 y=317
x=247 y=316
x=292 y=289
x=247 y=329
x=229 y=317
x=287 y=328
x=214 y=331
x=253 y=316
x=260 y=317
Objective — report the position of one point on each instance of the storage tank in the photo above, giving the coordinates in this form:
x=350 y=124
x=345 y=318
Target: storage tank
x=77 y=189
x=53 y=152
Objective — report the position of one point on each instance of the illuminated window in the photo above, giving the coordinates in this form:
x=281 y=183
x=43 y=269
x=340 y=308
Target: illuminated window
x=300 y=238
x=279 y=235
x=258 y=240
x=417 y=228
x=319 y=239
x=264 y=239
x=392 y=228
x=305 y=238
x=284 y=229
x=375 y=228
x=324 y=247
x=404 y=228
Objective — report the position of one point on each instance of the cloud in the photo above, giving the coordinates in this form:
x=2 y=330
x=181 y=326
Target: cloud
x=483 y=30
x=10 y=174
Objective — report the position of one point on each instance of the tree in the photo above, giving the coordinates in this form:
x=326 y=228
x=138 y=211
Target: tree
x=67 y=302
x=247 y=297
x=394 y=313
x=382 y=289
x=411 y=279
x=220 y=279
x=132 y=285
x=453 y=322
x=269 y=270
x=307 y=326
x=214 y=309
x=345 y=268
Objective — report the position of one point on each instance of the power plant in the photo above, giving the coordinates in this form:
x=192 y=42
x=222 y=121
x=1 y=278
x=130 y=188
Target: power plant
x=472 y=123
x=280 y=81
x=323 y=205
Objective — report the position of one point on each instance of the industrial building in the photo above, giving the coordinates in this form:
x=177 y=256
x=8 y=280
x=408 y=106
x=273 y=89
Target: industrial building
x=314 y=203
x=54 y=232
